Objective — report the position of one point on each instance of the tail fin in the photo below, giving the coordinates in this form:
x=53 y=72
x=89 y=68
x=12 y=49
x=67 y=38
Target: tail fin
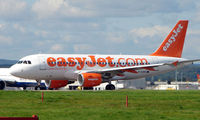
x=172 y=46
x=198 y=78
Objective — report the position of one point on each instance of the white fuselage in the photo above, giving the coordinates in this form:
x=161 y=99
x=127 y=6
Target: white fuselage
x=68 y=66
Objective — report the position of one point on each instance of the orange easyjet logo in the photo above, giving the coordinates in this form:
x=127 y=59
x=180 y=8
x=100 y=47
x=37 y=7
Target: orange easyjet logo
x=173 y=37
x=92 y=61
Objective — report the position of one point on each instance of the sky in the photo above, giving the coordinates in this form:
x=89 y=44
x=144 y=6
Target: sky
x=135 y=27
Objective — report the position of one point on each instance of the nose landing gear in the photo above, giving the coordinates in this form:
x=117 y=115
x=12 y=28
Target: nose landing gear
x=38 y=85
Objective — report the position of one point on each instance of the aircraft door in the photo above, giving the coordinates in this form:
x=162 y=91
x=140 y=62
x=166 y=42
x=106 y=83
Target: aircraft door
x=42 y=63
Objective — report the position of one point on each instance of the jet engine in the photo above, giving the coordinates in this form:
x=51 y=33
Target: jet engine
x=2 y=85
x=89 y=79
x=55 y=84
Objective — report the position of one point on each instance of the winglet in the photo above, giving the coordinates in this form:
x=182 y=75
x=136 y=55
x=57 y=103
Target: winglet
x=173 y=44
x=175 y=63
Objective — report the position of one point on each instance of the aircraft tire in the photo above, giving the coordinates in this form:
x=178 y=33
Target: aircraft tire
x=50 y=88
x=43 y=88
x=110 y=87
x=37 y=88
x=2 y=85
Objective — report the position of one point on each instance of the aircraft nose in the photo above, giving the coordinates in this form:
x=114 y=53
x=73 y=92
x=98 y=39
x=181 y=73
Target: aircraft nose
x=15 y=71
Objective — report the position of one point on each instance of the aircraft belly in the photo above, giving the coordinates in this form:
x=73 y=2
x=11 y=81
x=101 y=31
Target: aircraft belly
x=50 y=75
x=70 y=75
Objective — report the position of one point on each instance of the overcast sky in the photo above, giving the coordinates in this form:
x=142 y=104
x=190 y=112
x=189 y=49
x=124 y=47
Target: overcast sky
x=94 y=26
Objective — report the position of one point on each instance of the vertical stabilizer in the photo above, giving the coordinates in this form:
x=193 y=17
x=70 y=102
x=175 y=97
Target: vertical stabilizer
x=172 y=46
x=198 y=78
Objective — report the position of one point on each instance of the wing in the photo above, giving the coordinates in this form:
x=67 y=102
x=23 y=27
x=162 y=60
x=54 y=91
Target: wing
x=150 y=67
x=184 y=62
x=134 y=68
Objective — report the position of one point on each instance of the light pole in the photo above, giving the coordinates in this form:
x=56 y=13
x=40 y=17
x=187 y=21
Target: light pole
x=176 y=78
x=181 y=77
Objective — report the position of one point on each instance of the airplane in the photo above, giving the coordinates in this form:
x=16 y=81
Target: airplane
x=93 y=69
x=8 y=80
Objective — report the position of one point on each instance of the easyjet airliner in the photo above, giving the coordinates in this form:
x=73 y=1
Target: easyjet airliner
x=92 y=70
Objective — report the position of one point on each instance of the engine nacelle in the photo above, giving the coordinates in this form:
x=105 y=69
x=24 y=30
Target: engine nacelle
x=55 y=84
x=89 y=79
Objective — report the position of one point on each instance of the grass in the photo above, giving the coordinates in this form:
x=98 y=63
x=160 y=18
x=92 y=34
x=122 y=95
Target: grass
x=102 y=105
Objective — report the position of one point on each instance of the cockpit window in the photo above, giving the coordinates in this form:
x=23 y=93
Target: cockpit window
x=29 y=62
x=24 y=62
x=19 y=62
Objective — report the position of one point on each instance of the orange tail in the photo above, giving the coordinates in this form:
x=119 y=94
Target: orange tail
x=198 y=77
x=172 y=46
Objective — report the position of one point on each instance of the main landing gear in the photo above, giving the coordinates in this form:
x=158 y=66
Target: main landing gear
x=110 y=86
